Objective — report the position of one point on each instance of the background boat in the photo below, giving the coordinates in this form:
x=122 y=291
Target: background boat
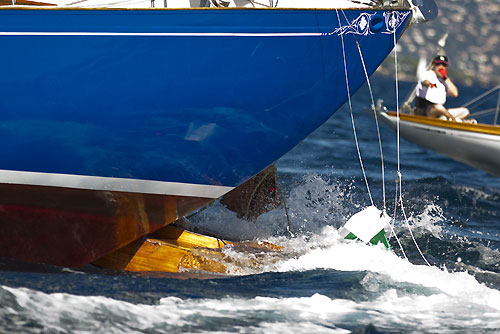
x=474 y=143
x=477 y=145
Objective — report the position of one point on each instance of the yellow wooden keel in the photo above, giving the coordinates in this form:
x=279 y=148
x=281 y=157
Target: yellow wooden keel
x=172 y=249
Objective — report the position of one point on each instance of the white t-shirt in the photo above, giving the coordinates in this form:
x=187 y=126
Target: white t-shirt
x=436 y=94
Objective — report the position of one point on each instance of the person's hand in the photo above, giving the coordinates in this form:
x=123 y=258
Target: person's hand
x=443 y=72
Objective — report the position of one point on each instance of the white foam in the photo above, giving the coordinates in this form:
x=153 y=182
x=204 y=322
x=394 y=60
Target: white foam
x=357 y=256
x=79 y=314
x=315 y=314
x=57 y=311
x=447 y=300
x=429 y=220
x=311 y=205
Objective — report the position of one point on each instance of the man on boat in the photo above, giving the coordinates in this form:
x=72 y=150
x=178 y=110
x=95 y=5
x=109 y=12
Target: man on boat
x=432 y=90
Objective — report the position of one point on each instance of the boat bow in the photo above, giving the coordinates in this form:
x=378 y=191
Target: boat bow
x=120 y=121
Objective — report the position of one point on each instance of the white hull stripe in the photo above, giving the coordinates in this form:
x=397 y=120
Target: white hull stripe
x=112 y=184
x=161 y=34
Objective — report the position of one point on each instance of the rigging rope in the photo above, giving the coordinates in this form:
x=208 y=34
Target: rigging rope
x=374 y=113
x=496 y=113
x=394 y=219
x=350 y=110
x=399 y=175
x=379 y=140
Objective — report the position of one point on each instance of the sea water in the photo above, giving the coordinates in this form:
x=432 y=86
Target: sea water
x=318 y=283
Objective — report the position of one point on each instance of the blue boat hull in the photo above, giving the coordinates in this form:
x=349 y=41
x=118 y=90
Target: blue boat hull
x=186 y=103
x=214 y=107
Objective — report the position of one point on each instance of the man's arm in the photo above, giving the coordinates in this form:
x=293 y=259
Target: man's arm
x=452 y=89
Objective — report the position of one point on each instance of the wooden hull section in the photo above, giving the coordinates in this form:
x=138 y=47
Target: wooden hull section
x=73 y=227
x=173 y=249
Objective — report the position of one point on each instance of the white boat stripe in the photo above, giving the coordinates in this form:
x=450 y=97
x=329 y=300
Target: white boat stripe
x=160 y=34
x=112 y=184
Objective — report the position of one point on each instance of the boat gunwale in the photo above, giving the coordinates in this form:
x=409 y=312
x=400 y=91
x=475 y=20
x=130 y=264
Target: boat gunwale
x=55 y=7
x=468 y=127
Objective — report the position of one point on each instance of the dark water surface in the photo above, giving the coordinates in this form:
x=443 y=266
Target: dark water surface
x=320 y=283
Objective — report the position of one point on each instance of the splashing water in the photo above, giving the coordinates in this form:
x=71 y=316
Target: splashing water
x=385 y=291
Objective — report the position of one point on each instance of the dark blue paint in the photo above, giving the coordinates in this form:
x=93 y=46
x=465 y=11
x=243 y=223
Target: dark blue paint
x=376 y=23
x=130 y=106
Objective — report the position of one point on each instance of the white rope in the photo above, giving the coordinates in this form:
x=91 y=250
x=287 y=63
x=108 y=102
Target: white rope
x=376 y=117
x=399 y=179
x=394 y=219
x=380 y=146
x=350 y=109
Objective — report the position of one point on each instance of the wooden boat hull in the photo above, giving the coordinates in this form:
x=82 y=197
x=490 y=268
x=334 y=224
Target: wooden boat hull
x=73 y=227
x=476 y=145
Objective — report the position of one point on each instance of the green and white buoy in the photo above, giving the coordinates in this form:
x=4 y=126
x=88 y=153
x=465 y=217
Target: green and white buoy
x=368 y=226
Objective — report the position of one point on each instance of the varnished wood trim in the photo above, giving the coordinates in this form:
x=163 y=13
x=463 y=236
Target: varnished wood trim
x=478 y=128
x=187 y=239
x=172 y=249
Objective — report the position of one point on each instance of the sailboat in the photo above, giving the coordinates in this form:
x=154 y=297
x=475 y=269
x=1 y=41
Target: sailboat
x=117 y=122
x=470 y=142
